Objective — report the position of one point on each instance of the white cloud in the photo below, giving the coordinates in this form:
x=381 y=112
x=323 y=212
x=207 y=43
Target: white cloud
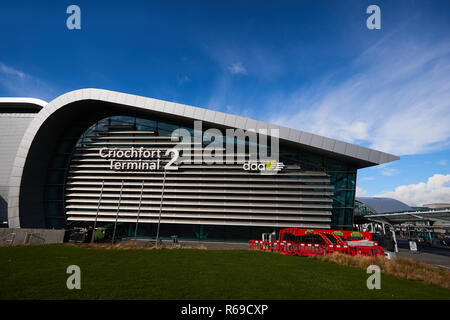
x=19 y=83
x=237 y=60
x=396 y=98
x=183 y=79
x=388 y=172
x=6 y=70
x=435 y=190
x=261 y=60
x=237 y=68
x=360 y=192
x=442 y=162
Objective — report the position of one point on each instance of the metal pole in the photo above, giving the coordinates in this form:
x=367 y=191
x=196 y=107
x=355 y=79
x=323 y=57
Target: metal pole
x=160 y=207
x=117 y=214
x=394 y=238
x=139 y=212
x=98 y=209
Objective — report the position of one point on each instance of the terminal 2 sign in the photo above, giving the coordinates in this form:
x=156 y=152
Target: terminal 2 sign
x=138 y=159
x=142 y=159
x=145 y=159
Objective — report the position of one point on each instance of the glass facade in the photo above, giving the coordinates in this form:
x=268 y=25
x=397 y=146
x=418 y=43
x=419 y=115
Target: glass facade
x=340 y=176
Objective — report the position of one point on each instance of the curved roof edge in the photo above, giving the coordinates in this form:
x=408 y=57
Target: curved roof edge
x=13 y=100
x=362 y=155
x=384 y=205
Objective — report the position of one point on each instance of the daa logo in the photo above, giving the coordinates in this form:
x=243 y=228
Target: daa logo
x=265 y=167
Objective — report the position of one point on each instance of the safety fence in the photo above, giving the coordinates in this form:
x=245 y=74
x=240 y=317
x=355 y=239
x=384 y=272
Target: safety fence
x=16 y=236
x=311 y=249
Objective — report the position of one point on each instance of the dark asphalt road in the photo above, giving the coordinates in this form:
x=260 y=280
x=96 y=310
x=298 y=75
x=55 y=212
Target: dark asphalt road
x=431 y=255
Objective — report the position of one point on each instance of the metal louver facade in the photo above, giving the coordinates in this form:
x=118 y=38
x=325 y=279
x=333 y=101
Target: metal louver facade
x=59 y=180
x=201 y=194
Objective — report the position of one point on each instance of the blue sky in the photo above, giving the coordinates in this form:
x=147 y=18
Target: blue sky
x=311 y=65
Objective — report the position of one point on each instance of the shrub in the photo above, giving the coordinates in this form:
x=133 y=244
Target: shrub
x=401 y=267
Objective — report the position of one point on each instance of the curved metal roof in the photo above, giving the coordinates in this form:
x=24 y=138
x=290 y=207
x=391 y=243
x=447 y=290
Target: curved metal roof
x=384 y=205
x=360 y=156
x=20 y=105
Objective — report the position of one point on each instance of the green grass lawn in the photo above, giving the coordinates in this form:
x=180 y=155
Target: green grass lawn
x=39 y=272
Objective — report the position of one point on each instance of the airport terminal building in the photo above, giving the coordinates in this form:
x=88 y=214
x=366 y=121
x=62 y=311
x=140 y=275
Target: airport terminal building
x=97 y=156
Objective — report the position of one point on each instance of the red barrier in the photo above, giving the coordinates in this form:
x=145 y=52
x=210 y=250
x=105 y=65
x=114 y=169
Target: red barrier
x=342 y=234
x=313 y=242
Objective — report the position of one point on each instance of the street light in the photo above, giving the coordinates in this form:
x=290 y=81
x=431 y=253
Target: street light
x=160 y=207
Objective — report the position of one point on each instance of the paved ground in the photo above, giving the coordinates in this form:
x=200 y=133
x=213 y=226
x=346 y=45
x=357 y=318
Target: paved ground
x=217 y=245
x=431 y=255
x=200 y=244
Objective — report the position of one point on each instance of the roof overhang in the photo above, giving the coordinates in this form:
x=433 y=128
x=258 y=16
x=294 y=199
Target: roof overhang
x=28 y=105
x=35 y=140
x=358 y=155
x=442 y=216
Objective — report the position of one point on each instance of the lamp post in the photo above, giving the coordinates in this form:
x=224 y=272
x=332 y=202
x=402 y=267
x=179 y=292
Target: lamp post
x=160 y=208
x=98 y=209
x=117 y=213
x=139 y=212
